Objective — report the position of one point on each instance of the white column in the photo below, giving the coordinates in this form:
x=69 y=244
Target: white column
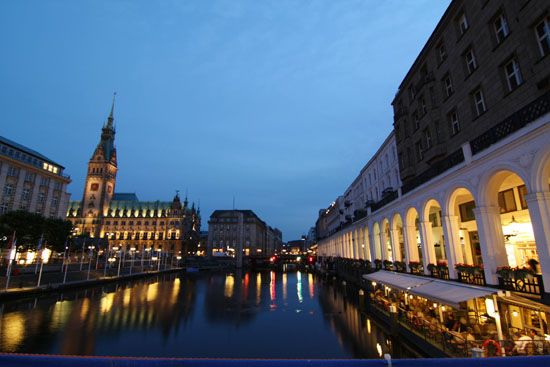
x=372 y=246
x=411 y=246
x=539 y=211
x=384 y=245
x=428 y=249
x=395 y=247
x=491 y=240
x=452 y=243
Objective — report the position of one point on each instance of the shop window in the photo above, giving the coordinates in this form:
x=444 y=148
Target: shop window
x=522 y=191
x=506 y=201
x=467 y=211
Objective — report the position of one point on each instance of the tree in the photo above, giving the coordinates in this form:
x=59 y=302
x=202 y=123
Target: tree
x=29 y=227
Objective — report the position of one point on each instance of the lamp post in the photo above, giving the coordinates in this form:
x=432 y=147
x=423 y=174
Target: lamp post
x=45 y=257
x=82 y=257
x=108 y=254
x=90 y=257
x=120 y=260
x=132 y=251
x=160 y=259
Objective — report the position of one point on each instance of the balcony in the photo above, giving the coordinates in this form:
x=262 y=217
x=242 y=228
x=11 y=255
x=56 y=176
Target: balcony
x=516 y=121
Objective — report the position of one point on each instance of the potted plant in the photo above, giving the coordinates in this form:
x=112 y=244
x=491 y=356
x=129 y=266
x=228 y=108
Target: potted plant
x=378 y=264
x=523 y=273
x=533 y=264
x=415 y=266
x=388 y=265
x=400 y=266
x=505 y=272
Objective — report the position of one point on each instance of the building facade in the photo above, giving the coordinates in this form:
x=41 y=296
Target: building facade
x=124 y=220
x=31 y=182
x=481 y=198
x=227 y=229
x=377 y=182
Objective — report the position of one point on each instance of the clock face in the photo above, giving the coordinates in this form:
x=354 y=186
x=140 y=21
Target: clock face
x=109 y=189
x=94 y=187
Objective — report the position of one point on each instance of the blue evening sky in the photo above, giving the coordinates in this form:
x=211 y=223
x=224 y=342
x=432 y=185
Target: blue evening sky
x=276 y=102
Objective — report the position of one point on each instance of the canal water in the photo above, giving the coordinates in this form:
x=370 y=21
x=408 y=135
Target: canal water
x=210 y=315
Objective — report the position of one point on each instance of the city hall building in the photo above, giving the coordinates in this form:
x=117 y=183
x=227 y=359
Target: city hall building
x=472 y=134
x=122 y=218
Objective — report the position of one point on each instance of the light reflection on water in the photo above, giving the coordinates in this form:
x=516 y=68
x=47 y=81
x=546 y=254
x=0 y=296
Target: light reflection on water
x=246 y=315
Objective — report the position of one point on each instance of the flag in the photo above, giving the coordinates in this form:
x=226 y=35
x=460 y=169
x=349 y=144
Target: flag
x=39 y=246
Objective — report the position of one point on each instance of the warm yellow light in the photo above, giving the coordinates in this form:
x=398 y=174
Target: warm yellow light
x=46 y=255
x=106 y=302
x=229 y=284
x=373 y=284
x=515 y=313
x=435 y=305
x=490 y=306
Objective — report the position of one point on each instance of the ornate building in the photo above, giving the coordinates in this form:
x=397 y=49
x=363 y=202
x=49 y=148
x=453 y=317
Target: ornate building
x=121 y=217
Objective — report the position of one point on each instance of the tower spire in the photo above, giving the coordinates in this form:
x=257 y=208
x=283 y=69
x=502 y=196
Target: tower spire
x=111 y=118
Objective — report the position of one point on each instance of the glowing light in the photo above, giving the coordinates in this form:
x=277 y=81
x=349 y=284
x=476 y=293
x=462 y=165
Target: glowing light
x=46 y=255
x=152 y=292
x=84 y=308
x=175 y=290
x=284 y=286
x=30 y=257
x=258 y=288
x=311 y=285
x=13 y=331
x=229 y=286
x=515 y=313
x=373 y=284
x=435 y=305
x=273 y=293
x=379 y=349
x=126 y=297
x=368 y=326
x=299 y=286
x=106 y=302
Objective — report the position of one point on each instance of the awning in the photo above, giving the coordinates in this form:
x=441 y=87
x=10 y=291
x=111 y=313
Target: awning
x=400 y=281
x=442 y=291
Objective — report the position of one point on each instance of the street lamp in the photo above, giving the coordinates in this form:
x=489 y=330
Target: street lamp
x=132 y=251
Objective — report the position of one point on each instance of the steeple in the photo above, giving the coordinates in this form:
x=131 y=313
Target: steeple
x=105 y=150
x=109 y=123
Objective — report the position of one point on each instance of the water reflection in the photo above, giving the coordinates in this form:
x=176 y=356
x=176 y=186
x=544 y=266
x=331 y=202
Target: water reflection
x=206 y=315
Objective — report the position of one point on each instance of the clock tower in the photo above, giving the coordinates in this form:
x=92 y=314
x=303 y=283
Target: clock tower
x=101 y=178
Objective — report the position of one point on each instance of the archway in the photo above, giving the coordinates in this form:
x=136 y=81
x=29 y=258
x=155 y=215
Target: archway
x=398 y=238
x=434 y=237
x=506 y=191
x=387 y=248
x=461 y=217
x=412 y=232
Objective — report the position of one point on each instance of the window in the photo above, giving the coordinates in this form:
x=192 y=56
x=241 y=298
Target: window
x=453 y=120
x=26 y=194
x=3 y=208
x=479 y=102
x=506 y=201
x=448 y=84
x=462 y=23
x=419 y=152
x=441 y=52
x=542 y=31
x=467 y=211
x=501 y=28
x=522 y=191
x=423 y=106
x=471 y=63
x=29 y=177
x=42 y=198
x=8 y=190
x=428 y=138
x=412 y=92
x=12 y=171
x=44 y=181
x=513 y=75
